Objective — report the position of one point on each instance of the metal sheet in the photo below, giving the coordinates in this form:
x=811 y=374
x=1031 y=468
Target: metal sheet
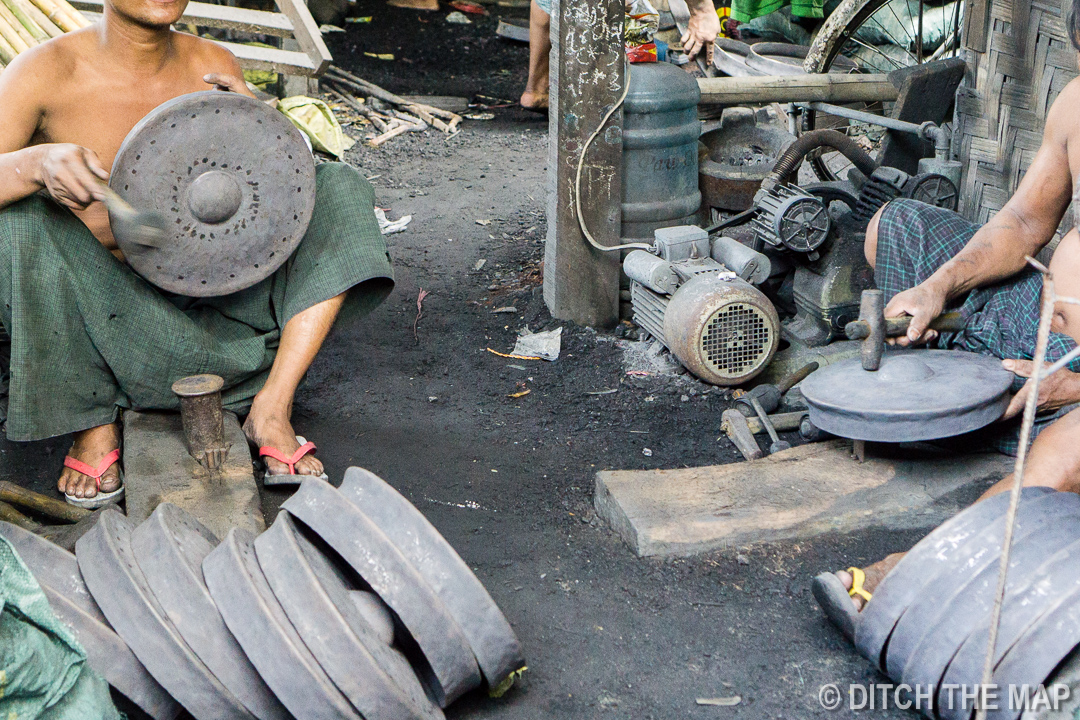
x=57 y=571
x=257 y=621
x=1029 y=602
x=234 y=179
x=120 y=590
x=170 y=547
x=376 y=678
x=907 y=580
x=961 y=583
x=915 y=395
x=496 y=647
x=389 y=573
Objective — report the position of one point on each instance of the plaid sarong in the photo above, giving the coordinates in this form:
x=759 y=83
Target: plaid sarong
x=89 y=336
x=914 y=240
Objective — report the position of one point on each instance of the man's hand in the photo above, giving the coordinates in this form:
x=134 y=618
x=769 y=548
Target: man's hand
x=702 y=29
x=72 y=175
x=923 y=303
x=1055 y=392
x=227 y=83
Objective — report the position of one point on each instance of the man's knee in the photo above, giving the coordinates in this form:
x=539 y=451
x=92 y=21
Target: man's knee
x=1054 y=460
x=870 y=246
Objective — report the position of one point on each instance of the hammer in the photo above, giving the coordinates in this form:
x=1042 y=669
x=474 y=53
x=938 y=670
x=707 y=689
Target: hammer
x=873 y=327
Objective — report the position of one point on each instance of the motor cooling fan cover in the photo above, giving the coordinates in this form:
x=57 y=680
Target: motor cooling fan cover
x=722 y=329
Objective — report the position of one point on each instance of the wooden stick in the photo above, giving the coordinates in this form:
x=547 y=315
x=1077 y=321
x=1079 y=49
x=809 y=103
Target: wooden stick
x=399 y=130
x=825 y=87
x=50 y=28
x=13 y=516
x=57 y=509
x=359 y=107
x=74 y=14
x=26 y=21
x=371 y=88
x=9 y=17
x=427 y=117
x=57 y=15
x=13 y=38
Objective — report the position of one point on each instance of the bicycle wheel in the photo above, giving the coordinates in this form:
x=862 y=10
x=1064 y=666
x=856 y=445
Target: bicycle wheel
x=877 y=36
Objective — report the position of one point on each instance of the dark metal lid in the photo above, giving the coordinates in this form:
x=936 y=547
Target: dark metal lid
x=233 y=178
x=915 y=395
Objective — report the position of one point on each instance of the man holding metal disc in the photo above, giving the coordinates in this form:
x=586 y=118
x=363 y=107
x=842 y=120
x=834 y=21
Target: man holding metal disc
x=88 y=335
x=928 y=260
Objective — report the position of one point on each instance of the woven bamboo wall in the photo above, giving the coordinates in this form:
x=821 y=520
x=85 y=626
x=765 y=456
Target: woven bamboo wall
x=1002 y=106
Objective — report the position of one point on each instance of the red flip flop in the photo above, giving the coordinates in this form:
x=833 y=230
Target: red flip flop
x=289 y=478
x=101 y=498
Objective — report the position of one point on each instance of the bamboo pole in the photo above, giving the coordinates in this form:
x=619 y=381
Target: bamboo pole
x=57 y=509
x=7 y=53
x=8 y=33
x=28 y=23
x=75 y=15
x=825 y=87
x=8 y=17
x=50 y=28
x=57 y=15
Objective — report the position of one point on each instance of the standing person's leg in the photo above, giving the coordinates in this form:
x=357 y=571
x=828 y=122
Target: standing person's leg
x=535 y=96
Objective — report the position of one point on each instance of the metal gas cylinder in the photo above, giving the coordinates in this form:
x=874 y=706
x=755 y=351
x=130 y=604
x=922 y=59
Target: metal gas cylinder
x=660 y=151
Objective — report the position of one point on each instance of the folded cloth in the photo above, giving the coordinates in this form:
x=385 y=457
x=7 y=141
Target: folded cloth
x=43 y=670
x=89 y=336
x=914 y=240
x=747 y=10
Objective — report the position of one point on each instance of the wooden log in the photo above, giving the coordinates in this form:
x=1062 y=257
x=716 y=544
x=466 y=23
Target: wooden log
x=825 y=87
x=10 y=515
x=51 y=507
x=14 y=40
x=51 y=29
x=9 y=18
x=26 y=21
x=587 y=77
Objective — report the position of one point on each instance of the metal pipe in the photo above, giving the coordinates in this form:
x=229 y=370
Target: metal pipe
x=869 y=118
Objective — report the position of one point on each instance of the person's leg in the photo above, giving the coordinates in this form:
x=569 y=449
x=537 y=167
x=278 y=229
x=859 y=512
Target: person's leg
x=870 y=245
x=268 y=421
x=535 y=96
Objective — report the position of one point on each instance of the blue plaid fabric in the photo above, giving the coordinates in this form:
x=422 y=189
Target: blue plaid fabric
x=914 y=240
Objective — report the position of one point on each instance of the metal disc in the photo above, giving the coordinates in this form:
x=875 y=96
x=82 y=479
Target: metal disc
x=169 y=548
x=907 y=580
x=232 y=177
x=381 y=564
x=493 y=641
x=1047 y=595
x=376 y=678
x=120 y=590
x=257 y=621
x=933 y=629
x=915 y=395
x=57 y=571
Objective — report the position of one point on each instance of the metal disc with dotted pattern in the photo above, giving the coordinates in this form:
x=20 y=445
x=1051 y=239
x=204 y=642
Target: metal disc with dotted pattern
x=234 y=180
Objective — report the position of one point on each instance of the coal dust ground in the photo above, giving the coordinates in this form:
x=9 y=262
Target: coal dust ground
x=508 y=480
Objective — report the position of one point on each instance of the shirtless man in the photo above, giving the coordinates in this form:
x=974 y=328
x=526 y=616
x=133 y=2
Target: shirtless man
x=909 y=243
x=65 y=108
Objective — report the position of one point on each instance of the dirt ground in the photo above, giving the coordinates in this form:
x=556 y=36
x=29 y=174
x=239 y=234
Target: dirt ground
x=508 y=480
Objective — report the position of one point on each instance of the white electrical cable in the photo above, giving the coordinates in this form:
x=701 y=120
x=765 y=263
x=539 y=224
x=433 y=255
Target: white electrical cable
x=577 y=180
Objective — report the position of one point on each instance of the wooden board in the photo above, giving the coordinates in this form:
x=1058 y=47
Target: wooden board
x=801 y=492
x=158 y=468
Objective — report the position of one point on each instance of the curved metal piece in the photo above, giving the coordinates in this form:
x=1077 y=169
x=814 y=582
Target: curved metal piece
x=376 y=678
x=170 y=547
x=255 y=617
x=115 y=580
x=915 y=395
x=959 y=598
x=360 y=542
x=1034 y=629
x=774 y=58
x=907 y=580
x=730 y=57
x=497 y=649
x=57 y=571
x=234 y=181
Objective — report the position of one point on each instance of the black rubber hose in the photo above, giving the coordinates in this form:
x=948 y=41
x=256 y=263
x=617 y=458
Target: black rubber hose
x=812 y=141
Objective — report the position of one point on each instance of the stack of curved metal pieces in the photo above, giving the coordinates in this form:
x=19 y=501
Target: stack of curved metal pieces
x=351 y=605
x=928 y=622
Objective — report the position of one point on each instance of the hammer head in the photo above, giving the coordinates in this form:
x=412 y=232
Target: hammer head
x=872 y=312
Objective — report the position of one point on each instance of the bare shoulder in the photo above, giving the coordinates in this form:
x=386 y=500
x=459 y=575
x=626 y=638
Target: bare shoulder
x=1062 y=121
x=49 y=63
x=206 y=56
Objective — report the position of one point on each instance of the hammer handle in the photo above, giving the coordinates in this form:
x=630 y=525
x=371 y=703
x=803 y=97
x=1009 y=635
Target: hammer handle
x=897 y=326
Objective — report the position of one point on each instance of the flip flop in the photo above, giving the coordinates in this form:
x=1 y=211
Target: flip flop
x=835 y=599
x=289 y=478
x=102 y=498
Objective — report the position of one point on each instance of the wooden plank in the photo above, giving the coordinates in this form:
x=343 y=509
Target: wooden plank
x=832 y=88
x=587 y=76
x=286 y=62
x=220 y=16
x=158 y=468
x=307 y=33
x=802 y=492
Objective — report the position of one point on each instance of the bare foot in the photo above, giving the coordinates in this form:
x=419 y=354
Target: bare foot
x=874 y=575
x=268 y=425
x=534 y=100
x=91 y=446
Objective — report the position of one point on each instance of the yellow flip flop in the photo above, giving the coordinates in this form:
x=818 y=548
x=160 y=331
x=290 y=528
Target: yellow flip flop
x=858 y=577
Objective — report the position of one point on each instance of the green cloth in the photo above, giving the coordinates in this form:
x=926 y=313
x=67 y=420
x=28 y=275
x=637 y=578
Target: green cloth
x=43 y=669
x=747 y=10
x=89 y=336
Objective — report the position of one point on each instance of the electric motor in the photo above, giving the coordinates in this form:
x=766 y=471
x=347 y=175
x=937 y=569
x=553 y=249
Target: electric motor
x=789 y=216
